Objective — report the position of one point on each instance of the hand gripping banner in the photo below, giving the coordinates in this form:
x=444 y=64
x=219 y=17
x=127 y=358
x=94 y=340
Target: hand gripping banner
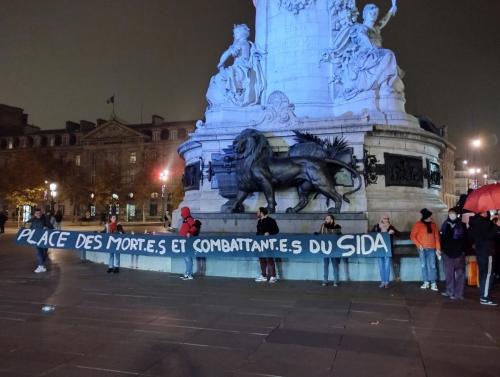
x=370 y=245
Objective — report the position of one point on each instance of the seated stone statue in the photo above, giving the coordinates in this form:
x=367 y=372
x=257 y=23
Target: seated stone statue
x=360 y=62
x=242 y=83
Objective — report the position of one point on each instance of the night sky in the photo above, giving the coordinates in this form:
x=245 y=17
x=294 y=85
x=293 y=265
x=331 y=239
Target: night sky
x=61 y=59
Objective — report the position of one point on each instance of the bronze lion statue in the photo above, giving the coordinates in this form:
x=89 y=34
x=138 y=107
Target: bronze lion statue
x=260 y=171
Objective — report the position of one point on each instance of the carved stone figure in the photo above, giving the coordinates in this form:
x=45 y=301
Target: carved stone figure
x=242 y=83
x=295 y=6
x=360 y=63
x=260 y=171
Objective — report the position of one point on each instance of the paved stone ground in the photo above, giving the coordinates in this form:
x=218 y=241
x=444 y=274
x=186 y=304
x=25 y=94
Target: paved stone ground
x=153 y=324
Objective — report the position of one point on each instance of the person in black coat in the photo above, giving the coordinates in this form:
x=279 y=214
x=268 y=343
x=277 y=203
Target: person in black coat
x=453 y=246
x=3 y=220
x=496 y=221
x=266 y=226
x=483 y=233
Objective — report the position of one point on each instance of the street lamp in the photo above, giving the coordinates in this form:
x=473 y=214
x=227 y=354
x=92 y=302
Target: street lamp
x=163 y=178
x=476 y=143
x=53 y=194
x=465 y=162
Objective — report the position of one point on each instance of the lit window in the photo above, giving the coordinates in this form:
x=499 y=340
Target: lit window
x=11 y=144
x=77 y=160
x=154 y=195
x=133 y=157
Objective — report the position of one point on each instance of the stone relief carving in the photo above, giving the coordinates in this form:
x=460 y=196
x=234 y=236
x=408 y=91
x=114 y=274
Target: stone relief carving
x=433 y=174
x=242 y=83
x=191 y=177
x=278 y=111
x=360 y=64
x=403 y=170
x=295 y=6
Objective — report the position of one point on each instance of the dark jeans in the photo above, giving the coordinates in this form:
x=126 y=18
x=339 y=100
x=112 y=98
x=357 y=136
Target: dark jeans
x=41 y=255
x=267 y=267
x=485 y=265
x=454 y=269
x=335 y=267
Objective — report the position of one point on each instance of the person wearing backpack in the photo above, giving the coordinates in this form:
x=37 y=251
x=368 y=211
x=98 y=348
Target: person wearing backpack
x=189 y=228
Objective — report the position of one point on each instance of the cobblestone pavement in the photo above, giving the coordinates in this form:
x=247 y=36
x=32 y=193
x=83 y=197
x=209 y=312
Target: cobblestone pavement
x=139 y=323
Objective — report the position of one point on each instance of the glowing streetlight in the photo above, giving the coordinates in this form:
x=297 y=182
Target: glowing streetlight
x=465 y=162
x=476 y=143
x=53 y=194
x=164 y=178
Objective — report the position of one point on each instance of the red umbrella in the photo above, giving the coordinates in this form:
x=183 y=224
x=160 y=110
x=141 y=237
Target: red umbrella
x=484 y=199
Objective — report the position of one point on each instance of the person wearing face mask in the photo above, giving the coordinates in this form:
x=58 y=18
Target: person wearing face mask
x=453 y=242
x=384 y=263
x=425 y=235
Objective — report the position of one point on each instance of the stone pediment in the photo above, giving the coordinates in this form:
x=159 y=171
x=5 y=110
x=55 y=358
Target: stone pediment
x=113 y=131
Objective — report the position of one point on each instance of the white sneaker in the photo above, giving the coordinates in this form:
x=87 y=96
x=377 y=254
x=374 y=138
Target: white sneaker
x=188 y=277
x=434 y=287
x=40 y=269
x=183 y=276
x=261 y=279
x=273 y=279
x=425 y=285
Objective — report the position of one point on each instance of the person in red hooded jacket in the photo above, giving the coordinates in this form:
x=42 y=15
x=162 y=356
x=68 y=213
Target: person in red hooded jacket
x=188 y=229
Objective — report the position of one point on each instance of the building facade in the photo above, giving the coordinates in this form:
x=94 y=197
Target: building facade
x=110 y=166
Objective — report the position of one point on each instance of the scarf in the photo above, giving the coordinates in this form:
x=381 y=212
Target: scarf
x=330 y=226
x=384 y=228
x=428 y=225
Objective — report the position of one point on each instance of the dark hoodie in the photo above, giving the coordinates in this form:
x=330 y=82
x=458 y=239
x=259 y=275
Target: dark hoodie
x=453 y=242
x=483 y=234
x=188 y=227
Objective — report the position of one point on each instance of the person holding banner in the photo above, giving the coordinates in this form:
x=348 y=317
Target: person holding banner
x=40 y=221
x=384 y=263
x=425 y=235
x=329 y=227
x=189 y=228
x=114 y=257
x=266 y=226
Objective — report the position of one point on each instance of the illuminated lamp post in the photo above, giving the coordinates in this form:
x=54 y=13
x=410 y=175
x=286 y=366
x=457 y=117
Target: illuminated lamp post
x=163 y=178
x=53 y=194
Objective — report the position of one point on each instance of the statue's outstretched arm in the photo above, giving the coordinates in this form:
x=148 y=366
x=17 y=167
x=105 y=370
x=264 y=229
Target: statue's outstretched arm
x=225 y=55
x=392 y=12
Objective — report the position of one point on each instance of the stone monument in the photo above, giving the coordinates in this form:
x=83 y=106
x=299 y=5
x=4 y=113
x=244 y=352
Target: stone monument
x=307 y=120
x=317 y=68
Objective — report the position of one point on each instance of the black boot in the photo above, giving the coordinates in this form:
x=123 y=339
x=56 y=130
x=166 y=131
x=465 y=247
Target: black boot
x=109 y=270
x=116 y=270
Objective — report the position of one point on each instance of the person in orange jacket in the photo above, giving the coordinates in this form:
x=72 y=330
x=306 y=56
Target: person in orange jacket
x=425 y=236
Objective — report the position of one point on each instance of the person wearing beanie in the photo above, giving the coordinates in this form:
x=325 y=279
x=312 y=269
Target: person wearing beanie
x=425 y=235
